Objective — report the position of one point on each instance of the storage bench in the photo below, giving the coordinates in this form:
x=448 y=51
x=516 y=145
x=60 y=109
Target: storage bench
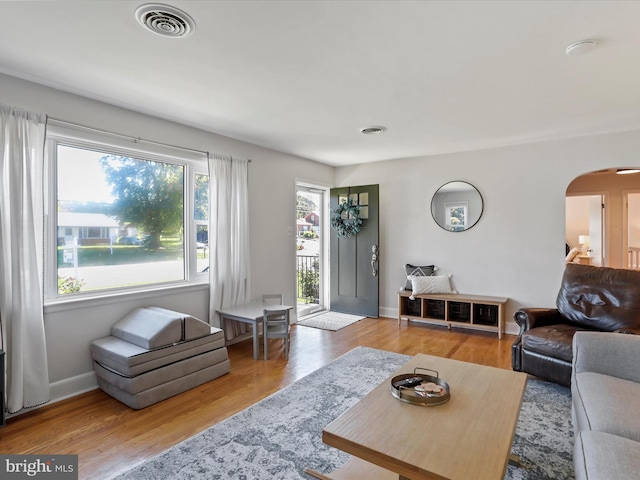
x=479 y=312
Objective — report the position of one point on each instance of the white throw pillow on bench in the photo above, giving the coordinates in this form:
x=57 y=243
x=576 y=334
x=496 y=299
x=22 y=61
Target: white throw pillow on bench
x=433 y=284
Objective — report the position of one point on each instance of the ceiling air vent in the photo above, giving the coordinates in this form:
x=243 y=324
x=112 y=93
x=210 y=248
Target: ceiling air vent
x=372 y=130
x=165 y=20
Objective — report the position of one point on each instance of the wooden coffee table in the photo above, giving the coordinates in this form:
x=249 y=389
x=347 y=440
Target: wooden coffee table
x=470 y=436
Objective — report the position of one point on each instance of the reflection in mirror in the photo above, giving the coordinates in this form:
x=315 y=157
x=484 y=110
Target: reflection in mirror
x=457 y=206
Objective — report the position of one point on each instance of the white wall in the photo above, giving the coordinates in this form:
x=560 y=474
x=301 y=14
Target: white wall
x=517 y=248
x=272 y=177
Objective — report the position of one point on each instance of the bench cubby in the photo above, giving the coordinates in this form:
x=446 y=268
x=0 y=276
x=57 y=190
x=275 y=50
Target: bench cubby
x=478 y=312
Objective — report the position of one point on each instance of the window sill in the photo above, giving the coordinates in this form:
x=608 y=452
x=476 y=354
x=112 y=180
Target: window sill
x=62 y=305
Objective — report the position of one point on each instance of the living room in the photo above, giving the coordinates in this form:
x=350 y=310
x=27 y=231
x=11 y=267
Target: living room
x=516 y=250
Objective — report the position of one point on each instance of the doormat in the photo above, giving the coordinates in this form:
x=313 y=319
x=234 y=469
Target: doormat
x=330 y=320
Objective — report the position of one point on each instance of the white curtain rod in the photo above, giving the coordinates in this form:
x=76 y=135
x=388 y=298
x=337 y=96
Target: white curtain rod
x=121 y=135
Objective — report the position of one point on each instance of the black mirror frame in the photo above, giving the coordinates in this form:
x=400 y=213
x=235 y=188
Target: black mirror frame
x=472 y=224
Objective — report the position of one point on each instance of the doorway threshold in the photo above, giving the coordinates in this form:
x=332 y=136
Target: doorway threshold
x=310 y=312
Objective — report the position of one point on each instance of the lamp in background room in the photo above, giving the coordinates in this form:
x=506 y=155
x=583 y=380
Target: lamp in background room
x=583 y=240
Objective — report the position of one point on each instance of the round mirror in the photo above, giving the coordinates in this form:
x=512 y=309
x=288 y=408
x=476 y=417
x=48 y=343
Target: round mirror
x=457 y=206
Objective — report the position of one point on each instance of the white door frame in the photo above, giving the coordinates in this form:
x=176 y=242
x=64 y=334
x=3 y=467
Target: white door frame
x=625 y=224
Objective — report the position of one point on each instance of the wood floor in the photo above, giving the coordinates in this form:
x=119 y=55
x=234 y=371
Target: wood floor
x=110 y=438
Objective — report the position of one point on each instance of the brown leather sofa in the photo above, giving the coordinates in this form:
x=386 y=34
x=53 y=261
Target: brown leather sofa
x=590 y=298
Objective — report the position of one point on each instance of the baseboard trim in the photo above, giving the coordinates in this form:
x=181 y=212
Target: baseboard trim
x=388 y=312
x=511 y=328
x=67 y=388
x=70 y=387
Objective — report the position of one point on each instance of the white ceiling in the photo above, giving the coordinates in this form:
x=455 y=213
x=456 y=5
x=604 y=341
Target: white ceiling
x=304 y=77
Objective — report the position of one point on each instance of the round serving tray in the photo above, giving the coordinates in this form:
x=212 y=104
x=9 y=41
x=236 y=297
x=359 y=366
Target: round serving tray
x=427 y=399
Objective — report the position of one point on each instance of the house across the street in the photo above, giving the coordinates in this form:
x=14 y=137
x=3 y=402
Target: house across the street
x=88 y=228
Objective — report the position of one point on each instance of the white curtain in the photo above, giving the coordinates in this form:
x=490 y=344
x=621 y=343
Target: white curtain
x=22 y=135
x=228 y=238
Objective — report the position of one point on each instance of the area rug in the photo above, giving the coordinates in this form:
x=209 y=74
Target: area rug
x=278 y=437
x=330 y=320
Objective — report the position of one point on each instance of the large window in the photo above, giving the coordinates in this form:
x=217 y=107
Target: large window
x=124 y=219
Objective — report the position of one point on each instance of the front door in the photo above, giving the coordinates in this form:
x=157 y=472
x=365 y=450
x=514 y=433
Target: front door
x=354 y=259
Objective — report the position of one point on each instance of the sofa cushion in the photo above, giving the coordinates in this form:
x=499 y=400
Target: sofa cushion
x=192 y=327
x=551 y=340
x=154 y=327
x=130 y=359
x=606 y=404
x=166 y=373
x=602 y=456
x=600 y=298
x=608 y=353
x=164 y=390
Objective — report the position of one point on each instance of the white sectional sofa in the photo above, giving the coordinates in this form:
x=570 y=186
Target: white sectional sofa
x=605 y=388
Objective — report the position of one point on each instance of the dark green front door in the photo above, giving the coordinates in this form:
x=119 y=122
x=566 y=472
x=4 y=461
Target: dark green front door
x=354 y=260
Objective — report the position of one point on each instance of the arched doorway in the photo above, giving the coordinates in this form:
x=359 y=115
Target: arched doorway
x=603 y=208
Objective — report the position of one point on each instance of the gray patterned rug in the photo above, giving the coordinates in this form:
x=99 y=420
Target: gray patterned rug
x=278 y=437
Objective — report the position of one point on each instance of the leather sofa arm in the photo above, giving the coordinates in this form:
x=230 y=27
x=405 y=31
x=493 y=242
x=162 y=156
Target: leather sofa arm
x=608 y=353
x=528 y=318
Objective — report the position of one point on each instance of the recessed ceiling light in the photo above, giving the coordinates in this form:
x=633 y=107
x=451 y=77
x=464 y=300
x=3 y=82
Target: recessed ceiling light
x=373 y=130
x=581 y=47
x=165 y=20
x=627 y=171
